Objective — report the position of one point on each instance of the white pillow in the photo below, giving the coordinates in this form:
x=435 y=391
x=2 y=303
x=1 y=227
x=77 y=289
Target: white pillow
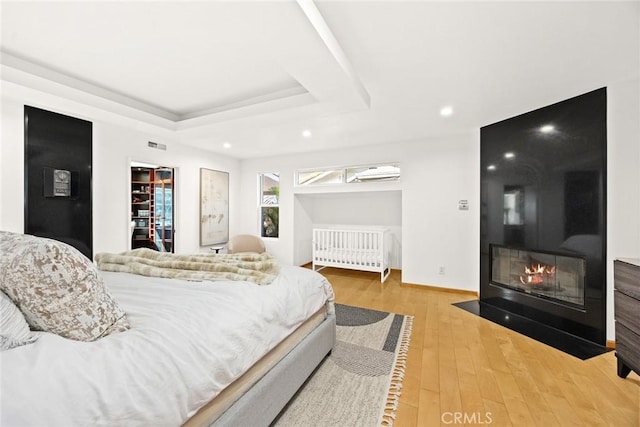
x=57 y=289
x=14 y=330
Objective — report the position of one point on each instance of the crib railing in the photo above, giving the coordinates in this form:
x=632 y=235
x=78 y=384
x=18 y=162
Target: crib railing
x=355 y=249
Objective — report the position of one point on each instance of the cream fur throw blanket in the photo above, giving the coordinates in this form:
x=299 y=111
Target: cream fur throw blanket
x=251 y=267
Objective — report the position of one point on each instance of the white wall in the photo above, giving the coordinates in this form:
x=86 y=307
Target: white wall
x=285 y=246
x=357 y=208
x=436 y=174
x=302 y=230
x=114 y=148
x=1 y=175
x=623 y=181
x=115 y=144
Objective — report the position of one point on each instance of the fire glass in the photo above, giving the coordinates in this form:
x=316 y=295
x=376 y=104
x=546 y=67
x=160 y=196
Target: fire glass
x=560 y=277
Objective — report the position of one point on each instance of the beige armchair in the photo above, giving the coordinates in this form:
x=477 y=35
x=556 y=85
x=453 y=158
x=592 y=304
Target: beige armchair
x=245 y=243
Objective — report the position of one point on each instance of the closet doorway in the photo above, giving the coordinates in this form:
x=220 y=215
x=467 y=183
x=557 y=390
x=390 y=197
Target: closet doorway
x=152 y=207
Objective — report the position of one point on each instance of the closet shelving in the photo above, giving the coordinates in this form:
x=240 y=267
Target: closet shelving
x=152 y=208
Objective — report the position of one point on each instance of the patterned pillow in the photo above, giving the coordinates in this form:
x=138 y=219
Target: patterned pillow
x=14 y=330
x=57 y=288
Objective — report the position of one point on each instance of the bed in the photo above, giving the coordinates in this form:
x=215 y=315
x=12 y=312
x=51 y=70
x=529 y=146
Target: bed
x=356 y=249
x=196 y=353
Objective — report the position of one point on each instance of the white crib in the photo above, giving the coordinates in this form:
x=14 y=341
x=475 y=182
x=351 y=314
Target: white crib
x=366 y=250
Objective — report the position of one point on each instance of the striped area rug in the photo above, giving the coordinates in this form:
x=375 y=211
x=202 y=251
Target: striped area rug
x=359 y=383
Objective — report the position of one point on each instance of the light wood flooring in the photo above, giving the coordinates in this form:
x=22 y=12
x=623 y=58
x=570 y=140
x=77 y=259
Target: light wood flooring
x=464 y=368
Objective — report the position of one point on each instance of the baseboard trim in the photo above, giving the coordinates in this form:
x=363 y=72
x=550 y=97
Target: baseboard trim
x=414 y=285
x=438 y=288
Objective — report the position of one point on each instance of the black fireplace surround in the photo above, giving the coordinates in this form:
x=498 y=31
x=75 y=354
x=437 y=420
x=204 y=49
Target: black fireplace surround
x=543 y=216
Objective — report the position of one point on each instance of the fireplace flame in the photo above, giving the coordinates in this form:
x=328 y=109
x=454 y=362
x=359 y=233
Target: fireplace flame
x=535 y=274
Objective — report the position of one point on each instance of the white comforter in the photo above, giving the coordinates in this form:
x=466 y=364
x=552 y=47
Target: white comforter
x=188 y=340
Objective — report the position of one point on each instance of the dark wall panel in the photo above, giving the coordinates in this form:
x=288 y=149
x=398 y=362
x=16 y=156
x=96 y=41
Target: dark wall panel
x=556 y=157
x=55 y=142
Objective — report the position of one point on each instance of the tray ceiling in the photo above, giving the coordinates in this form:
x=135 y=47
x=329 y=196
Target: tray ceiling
x=255 y=74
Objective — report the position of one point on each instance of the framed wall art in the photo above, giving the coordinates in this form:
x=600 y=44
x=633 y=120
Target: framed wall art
x=214 y=207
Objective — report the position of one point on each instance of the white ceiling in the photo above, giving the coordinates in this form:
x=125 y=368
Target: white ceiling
x=256 y=74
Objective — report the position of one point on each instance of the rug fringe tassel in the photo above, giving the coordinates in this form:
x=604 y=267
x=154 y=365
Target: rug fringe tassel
x=397 y=375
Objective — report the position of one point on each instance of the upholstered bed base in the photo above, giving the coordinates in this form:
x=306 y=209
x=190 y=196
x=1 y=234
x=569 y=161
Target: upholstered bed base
x=262 y=403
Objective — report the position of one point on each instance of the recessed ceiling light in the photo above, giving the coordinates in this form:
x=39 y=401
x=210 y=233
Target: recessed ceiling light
x=446 y=111
x=509 y=155
x=547 y=128
x=226 y=145
x=306 y=133
x=491 y=167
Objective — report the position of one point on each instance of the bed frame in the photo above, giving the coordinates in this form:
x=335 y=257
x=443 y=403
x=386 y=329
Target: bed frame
x=264 y=401
x=366 y=250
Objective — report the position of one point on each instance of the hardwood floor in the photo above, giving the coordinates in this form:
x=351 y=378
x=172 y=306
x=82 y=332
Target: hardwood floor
x=464 y=370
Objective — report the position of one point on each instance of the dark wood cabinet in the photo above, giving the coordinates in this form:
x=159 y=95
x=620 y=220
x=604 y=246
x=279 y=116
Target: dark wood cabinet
x=627 y=315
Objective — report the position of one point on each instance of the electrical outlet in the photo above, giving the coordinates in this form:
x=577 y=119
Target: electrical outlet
x=441 y=270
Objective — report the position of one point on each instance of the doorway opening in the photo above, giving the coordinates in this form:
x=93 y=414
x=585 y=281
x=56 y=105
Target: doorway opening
x=152 y=207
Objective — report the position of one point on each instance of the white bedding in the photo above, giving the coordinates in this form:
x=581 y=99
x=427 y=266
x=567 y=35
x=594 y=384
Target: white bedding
x=188 y=340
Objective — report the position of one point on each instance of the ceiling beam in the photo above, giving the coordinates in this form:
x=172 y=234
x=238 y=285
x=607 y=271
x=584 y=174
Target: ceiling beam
x=319 y=24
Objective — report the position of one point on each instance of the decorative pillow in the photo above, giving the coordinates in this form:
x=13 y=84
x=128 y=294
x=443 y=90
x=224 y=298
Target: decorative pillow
x=14 y=330
x=57 y=288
